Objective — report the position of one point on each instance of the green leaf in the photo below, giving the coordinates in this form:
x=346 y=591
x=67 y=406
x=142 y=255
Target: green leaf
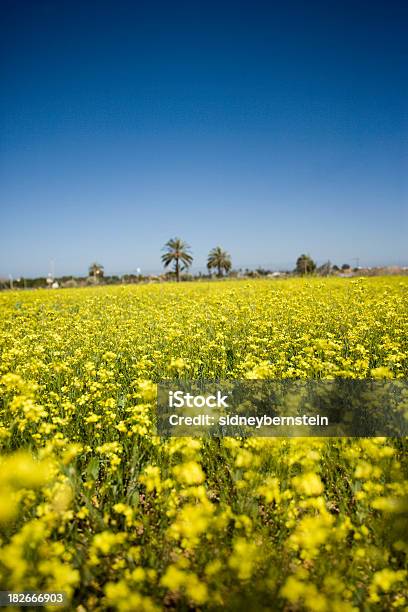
x=93 y=468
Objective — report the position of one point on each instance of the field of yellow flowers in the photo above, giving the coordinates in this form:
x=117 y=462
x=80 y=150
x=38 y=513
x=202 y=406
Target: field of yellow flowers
x=94 y=504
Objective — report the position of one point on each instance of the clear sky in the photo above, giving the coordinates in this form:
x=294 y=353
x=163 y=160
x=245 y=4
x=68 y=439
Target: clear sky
x=269 y=128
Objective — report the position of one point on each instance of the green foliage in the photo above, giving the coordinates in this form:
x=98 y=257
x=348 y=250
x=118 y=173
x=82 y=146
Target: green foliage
x=178 y=253
x=305 y=265
x=96 y=270
x=219 y=260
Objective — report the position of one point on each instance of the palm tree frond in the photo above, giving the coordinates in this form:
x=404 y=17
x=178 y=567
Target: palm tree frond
x=176 y=251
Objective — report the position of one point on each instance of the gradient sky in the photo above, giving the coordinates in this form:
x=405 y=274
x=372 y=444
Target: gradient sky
x=270 y=128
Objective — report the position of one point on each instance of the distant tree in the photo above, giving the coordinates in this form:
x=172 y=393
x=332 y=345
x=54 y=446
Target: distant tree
x=335 y=268
x=178 y=253
x=96 y=270
x=219 y=260
x=324 y=269
x=71 y=282
x=262 y=271
x=305 y=265
x=345 y=267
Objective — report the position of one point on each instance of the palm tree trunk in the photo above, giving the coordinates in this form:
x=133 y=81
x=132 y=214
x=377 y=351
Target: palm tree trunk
x=177 y=270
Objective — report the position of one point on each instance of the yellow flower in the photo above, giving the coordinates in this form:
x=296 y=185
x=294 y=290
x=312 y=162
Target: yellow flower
x=386 y=578
x=173 y=578
x=105 y=541
x=151 y=478
x=189 y=473
x=308 y=484
x=21 y=470
x=243 y=558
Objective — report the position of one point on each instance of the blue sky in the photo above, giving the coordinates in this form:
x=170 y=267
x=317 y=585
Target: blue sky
x=269 y=128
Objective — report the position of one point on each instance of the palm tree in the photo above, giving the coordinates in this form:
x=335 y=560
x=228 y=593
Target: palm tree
x=96 y=270
x=219 y=259
x=177 y=252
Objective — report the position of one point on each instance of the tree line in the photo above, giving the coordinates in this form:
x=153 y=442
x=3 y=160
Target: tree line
x=177 y=256
x=178 y=253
